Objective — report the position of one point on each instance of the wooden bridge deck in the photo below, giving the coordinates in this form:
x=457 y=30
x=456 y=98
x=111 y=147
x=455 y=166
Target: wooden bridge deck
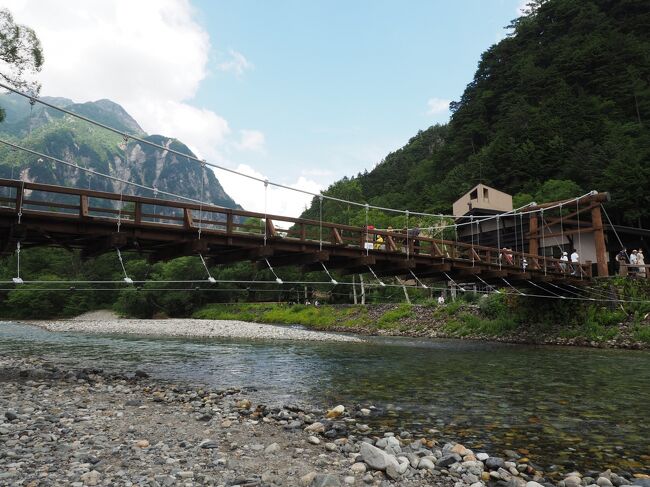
x=39 y=214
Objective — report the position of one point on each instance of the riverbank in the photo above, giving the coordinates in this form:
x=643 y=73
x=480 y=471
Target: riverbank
x=492 y=320
x=91 y=427
x=106 y=322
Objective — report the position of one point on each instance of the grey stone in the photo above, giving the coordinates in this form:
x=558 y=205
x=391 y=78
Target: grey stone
x=426 y=464
x=572 y=481
x=209 y=444
x=448 y=459
x=494 y=463
x=604 y=482
x=377 y=459
x=272 y=448
x=641 y=482
x=325 y=480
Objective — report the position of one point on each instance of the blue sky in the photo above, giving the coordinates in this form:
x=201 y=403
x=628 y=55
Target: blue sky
x=300 y=92
x=334 y=86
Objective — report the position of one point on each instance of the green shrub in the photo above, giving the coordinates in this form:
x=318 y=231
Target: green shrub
x=392 y=317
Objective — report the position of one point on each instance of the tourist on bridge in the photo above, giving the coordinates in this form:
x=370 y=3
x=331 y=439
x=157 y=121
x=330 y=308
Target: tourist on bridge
x=640 y=260
x=413 y=233
x=506 y=254
x=621 y=260
x=564 y=261
x=379 y=243
x=633 y=262
x=575 y=262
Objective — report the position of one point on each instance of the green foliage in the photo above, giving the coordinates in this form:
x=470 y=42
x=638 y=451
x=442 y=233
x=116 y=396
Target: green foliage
x=641 y=333
x=312 y=316
x=391 y=318
x=557 y=108
x=494 y=305
x=470 y=324
x=20 y=53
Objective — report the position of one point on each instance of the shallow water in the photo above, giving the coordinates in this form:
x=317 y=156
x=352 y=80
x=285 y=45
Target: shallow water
x=571 y=408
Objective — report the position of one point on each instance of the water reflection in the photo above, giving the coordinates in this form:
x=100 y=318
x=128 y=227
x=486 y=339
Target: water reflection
x=576 y=408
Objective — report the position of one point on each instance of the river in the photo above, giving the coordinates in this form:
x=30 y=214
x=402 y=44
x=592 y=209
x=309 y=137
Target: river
x=564 y=408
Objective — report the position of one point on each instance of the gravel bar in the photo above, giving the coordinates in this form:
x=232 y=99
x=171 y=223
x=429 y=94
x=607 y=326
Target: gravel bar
x=193 y=328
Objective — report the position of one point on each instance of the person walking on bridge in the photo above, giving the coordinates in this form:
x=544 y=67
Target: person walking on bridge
x=640 y=261
x=575 y=262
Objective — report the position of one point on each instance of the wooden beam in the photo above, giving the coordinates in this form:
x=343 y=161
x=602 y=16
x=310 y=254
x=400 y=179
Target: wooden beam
x=336 y=238
x=83 y=206
x=297 y=259
x=395 y=268
x=599 y=237
x=238 y=255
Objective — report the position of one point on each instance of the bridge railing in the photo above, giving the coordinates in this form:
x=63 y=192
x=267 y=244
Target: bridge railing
x=36 y=198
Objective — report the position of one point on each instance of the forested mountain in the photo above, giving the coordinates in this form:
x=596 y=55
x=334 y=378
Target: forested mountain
x=565 y=97
x=62 y=136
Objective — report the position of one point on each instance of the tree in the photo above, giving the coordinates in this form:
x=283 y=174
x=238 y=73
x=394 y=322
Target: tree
x=21 y=55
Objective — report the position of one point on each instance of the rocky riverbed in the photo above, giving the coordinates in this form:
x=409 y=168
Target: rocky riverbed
x=87 y=427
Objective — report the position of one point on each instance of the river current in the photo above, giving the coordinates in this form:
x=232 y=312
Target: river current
x=564 y=408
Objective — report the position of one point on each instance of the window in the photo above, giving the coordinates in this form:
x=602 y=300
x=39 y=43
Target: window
x=473 y=195
x=485 y=194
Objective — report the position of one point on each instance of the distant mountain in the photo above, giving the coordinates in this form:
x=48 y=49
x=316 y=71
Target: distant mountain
x=59 y=135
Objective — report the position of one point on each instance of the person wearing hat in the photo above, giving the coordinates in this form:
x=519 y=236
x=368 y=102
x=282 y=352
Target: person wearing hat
x=564 y=261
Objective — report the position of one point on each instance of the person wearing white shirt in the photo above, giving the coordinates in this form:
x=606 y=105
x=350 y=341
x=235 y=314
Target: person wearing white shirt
x=564 y=261
x=634 y=260
x=575 y=260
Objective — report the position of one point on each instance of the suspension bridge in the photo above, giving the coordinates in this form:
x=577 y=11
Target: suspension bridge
x=95 y=222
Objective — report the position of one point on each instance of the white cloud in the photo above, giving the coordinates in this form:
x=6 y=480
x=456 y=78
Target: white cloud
x=279 y=201
x=149 y=56
x=237 y=63
x=252 y=141
x=438 y=106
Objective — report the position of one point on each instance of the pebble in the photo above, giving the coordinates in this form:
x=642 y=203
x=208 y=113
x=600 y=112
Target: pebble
x=313 y=440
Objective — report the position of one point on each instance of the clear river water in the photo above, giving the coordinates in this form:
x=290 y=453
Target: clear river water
x=565 y=408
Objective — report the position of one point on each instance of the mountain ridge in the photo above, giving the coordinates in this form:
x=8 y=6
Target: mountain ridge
x=56 y=134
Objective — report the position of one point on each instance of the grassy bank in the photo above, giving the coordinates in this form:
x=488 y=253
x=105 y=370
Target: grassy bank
x=496 y=317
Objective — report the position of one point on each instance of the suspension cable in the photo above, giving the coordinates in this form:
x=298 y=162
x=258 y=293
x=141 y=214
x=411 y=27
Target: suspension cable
x=381 y=283
x=18 y=279
x=201 y=202
x=332 y=280
x=277 y=279
x=320 y=224
x=211 y=279
x=127 y=279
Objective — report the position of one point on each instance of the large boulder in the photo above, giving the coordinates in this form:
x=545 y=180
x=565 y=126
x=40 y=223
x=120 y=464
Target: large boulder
x=377 y=459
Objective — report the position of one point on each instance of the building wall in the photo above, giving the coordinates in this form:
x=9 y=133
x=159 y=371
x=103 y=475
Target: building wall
x=486 y=198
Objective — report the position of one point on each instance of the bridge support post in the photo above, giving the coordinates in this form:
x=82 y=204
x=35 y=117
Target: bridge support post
x=599 y=239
